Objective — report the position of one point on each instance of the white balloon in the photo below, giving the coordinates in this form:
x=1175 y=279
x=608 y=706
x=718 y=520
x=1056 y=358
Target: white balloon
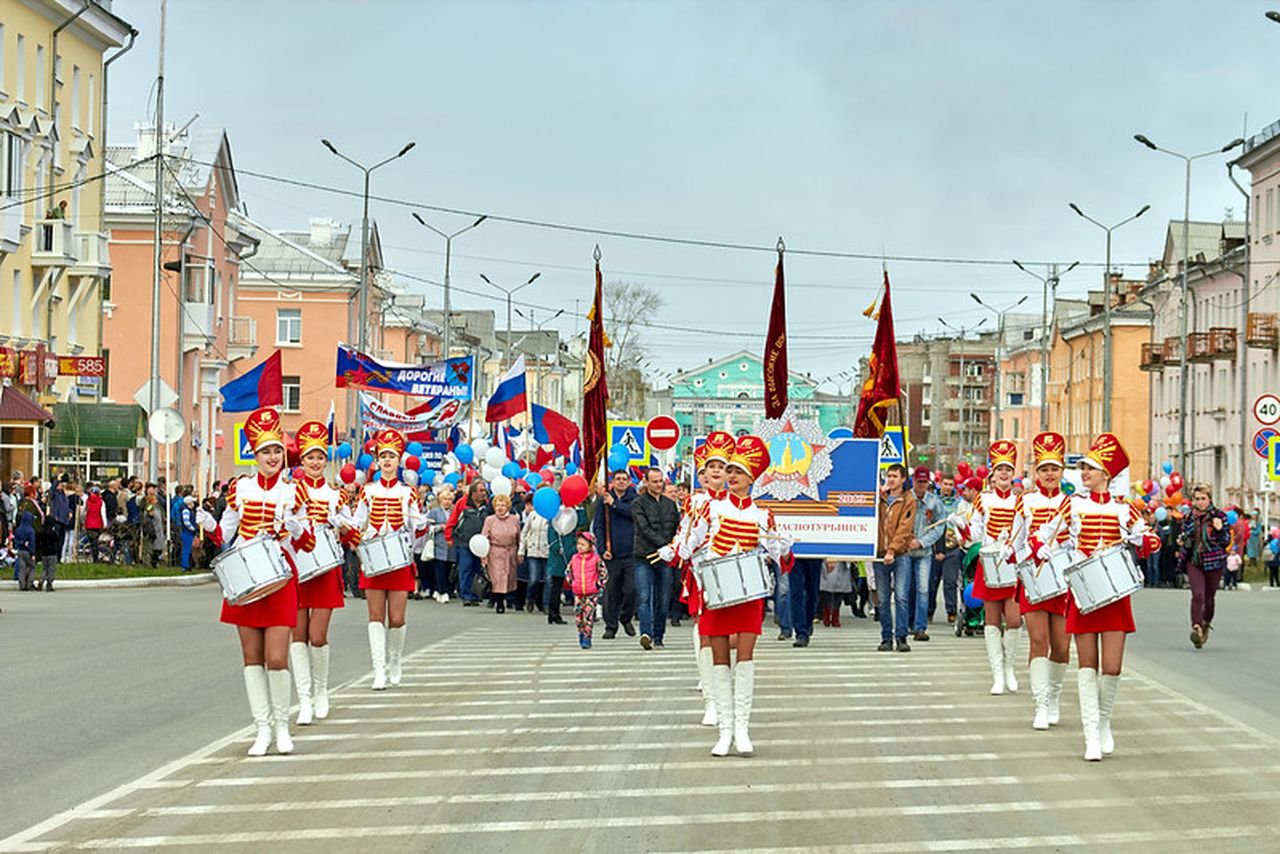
x=439 y=479
x=448 y=468
x=490 y=473
x=1165 y=481
x=404 y=458
x=410 y=477
x=565 y=521
x=481 y=447
x=495 y=457
x=501 y=485
x=361 y=476
x=479 y=546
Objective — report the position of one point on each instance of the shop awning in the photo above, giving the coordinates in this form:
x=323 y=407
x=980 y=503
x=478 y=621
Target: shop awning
x=97 y=425
x=16 y=406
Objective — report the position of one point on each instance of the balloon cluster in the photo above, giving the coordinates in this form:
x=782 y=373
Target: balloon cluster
x=1163 y=496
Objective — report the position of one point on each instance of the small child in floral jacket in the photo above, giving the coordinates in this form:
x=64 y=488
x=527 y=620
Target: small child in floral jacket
x=586 y=577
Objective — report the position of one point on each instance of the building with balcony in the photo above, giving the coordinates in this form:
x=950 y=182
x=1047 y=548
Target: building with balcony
x=948 y=393
x=53 y=245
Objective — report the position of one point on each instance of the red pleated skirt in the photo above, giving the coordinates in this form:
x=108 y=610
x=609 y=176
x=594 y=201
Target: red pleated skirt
x=278 y=609
x=396 y=579
x=1116 y=617
x=746 y=618
x=993 y=594
x=691 y=593
x=324 y=591
x=1056 y=605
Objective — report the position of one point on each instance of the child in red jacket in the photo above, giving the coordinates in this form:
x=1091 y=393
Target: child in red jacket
x=586 y=577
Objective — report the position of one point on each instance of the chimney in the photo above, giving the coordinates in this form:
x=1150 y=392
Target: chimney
x=322 y=231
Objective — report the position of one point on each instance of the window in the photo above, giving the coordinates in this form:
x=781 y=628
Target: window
x=39 y=101
x=17 y=304
x=288 y=326
x=20 y=81
x=1 y=57
x=75 y=97
x=89 y=105
x=1015 y=399
x=1017 y=424
x=973 y=370
x=291 y=388
x=1267 y=215
x=11 y=171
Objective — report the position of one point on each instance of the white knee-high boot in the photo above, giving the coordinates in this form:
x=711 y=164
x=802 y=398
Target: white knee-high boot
x=300 y=664
x=281 y=685
x=1087 y=683
x=705 y=669
x=995 y=657
x=255 y=686
x=320 y=680
x=395 y=652
x=704 y=684
x=722 y=690
x=1039 y=672
x=1011 y=637
x=1107 y=687
x=378 y=654
x=1057 y=673
x=744 y=686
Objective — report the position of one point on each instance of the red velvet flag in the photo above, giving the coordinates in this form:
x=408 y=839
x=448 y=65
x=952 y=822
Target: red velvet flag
x=879 y=402
x=595 y=390
x=775 y=348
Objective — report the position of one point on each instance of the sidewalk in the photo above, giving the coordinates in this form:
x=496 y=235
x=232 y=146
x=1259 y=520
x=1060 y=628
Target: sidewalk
x=189 y=580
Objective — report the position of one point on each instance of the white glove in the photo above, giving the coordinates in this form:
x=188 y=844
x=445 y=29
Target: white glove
x=667 y=554
x=205 y=520
x=295 y=525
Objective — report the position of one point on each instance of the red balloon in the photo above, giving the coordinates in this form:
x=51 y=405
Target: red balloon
x=1172 y=488
x=1175 y=480
x=547 y=476
x=1148 y=486
x=347 y=473
x=413 y=463
x=963 y=469
x=982 y=472
x=573 y=491
x=297 y=472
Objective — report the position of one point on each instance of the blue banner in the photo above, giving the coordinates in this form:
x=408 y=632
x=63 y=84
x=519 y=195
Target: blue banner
x=450 y=379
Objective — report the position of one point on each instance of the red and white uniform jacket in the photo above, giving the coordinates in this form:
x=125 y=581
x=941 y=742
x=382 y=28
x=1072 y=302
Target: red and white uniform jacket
x=991 y=517
x=1097 y=520
x=260 y=505
x=694 y=505
x=1032 y=511
x=388 y=505
x=732 y=524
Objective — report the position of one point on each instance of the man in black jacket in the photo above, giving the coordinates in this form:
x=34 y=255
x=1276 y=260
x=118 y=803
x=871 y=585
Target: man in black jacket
x=655 y=517
x=615 y=536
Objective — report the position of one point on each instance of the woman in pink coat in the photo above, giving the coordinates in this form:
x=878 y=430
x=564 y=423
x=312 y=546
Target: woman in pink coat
x=503 y=532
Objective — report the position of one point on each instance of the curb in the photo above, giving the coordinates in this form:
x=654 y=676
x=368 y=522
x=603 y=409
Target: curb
x=145 y=581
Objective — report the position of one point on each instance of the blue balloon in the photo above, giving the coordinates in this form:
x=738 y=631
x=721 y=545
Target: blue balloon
x=618 y=448
x=1232 y=517
x=1068 y=487
x=365 y=461
x=453 y=479
x=465 y=454
x=1167 y=467
x=511 y=470
x=344 y=450
x=427 y=476
x=970 y=601
x=414 y=449
x=533 y=480
x=1161 y=514
x=546 y=502
x=618 y=458
x=570 y=468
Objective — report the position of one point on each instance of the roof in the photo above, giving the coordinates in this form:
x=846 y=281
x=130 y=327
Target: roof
x=281 y=253
x=750 y=357
x=16 y=406
x=192 y=155
x=1205 y=238
x=97 y=425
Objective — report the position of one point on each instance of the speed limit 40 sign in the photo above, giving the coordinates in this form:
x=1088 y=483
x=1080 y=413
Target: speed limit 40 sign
x=1266 y=409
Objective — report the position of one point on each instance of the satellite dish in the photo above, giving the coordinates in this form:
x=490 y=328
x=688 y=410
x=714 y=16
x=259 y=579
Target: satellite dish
x=165 y=426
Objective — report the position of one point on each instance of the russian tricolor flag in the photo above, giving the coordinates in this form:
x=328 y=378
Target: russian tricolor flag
x=509 y=397
x=262 y=386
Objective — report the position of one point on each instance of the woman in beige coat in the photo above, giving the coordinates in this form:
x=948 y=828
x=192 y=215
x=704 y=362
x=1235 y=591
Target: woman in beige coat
x=503 y=532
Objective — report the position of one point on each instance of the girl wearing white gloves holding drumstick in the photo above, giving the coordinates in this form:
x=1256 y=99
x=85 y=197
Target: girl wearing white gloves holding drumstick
x=388 y=507
x=265 y=504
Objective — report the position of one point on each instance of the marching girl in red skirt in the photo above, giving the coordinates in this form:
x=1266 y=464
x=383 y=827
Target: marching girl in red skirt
x=990 y=522
x=309 y=650
x=264 y=503
x=1097 y=520
x=1046 y=621
x=710 y=459
x=386 y=505
x=731 y=524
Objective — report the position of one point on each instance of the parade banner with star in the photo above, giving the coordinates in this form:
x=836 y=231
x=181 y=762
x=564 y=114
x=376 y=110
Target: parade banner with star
x=823 y=491
x=449 y=379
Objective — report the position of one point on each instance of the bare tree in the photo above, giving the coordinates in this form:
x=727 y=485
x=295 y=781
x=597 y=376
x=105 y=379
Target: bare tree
x=628 y=305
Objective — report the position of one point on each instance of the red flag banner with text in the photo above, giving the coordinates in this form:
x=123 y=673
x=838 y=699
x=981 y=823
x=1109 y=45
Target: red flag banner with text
x=595 y=390
x=775 y=349
x=879 y=400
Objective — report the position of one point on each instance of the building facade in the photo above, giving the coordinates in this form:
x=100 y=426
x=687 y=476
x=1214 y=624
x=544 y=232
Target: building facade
x=948 y=387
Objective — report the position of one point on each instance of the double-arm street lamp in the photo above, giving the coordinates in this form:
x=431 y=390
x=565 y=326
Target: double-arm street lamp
x=1107 y=345
x=510 y=292
x=1186 y=259
x=448 y=251
x=1048 y=283
x=1000 y=314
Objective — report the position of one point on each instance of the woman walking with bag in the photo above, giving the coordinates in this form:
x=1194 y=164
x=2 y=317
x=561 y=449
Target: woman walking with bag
x=1203 y=543
x=502 y=529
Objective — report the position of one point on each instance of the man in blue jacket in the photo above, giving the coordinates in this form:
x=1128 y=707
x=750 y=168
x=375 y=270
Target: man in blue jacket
x=615 y=534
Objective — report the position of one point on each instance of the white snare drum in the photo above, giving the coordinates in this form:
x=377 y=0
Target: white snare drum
x=996 y=572
x=251 y=570
x=325 y=556
x=1106 y=576
x=734 y=579
x=380 y=555
x=1048 y=580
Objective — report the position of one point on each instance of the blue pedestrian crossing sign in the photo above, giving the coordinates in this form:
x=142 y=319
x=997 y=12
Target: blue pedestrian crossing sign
x=243 y=448
x=893 y=447
x=631 y=435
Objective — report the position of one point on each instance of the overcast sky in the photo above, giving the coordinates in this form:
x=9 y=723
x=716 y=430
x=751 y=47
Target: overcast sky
x=945 y=130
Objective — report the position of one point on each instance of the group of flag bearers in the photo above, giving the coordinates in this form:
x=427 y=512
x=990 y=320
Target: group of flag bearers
x=1029 y=528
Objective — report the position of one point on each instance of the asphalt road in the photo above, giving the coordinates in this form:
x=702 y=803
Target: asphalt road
x=506 y=736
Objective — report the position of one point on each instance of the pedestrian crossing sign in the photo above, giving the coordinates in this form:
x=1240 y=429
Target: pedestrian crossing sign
x=893 y=447
x=243 y=450
x=631 y=435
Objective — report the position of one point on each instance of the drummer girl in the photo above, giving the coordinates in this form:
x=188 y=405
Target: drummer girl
x=1094 y=521
x=1046 y=621
x=317 y=597
x=386 y=506
x=991 y=522
x=265 y=504
x=730 y=524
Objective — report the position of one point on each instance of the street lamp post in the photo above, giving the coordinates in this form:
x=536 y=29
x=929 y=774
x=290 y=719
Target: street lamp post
x=1000 y=314
x=1048 y=283
x=1182 y=302
x=362 y=333
x=509 y=292
x=1107 y=345
x=537 y=374
x=448 y=251
x=964 y=426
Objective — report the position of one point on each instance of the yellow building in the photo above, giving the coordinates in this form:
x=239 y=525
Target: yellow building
x=53 y=250
x=1075 y=388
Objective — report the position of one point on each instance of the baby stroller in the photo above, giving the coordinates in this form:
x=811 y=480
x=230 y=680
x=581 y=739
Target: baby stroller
x=969 y=616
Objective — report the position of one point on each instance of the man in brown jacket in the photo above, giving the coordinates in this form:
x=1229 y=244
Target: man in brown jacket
x=893 y=570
